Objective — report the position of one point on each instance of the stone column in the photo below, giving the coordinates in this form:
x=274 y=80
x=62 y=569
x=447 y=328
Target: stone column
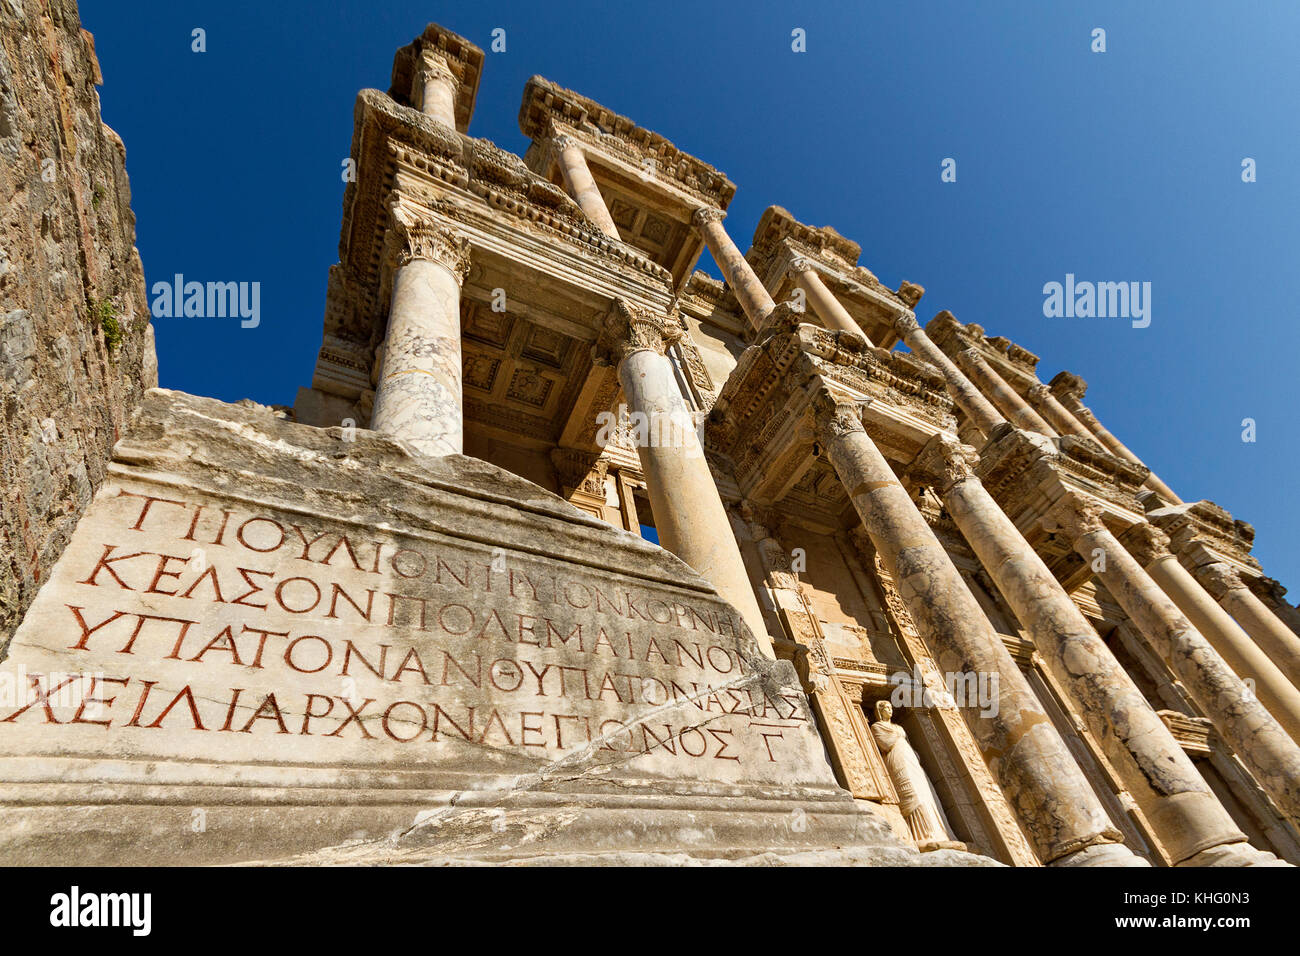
x=581 y=184
x=418 y=397
x=1278 y=641
x=689 y=515
x=1069 y=388
x=969 y=399
x=749 y=290
x=435 y=88
x=1185 y=813
x=828 y=308
x=1150 y=547
x=1057 y=415
x=1258 y=739
x=1008 y=401
x=1060 y=813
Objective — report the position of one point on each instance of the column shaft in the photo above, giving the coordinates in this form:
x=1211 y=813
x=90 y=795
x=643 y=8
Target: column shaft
x=969 y=399
x=828 y=308
x=435 y=89
x=1185 y=813
x=1278 y=641
x=582 y=185
x=1057 y=415
x=418 y=397
x=1240 y=653
x=688 y=511
x=750 y=292
x=1008 y=401
x=1058 y=809
x=1259 y=740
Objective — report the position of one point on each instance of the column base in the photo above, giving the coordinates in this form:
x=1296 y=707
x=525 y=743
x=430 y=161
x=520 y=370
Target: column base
x=1233 y=854
x=1101 y=854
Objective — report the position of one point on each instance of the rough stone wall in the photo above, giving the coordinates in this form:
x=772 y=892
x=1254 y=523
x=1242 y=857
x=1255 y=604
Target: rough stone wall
x=76 y=347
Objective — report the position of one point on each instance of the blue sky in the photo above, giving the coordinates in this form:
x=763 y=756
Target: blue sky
x=1115 y=166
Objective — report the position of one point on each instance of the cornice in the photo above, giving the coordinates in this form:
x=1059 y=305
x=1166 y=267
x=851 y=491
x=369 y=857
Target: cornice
x=546 y=104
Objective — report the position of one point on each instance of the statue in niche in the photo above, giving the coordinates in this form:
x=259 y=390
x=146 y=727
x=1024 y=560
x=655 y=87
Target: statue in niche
x=915 y=798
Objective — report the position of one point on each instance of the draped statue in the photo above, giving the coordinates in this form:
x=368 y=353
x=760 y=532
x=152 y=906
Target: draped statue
x=915 y=799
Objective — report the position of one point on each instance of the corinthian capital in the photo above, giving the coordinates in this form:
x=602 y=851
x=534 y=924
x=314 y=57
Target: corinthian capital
x=630 y=328
x=414 y=236
x=800 y=264
x=1146 y=543
x=943 y=462
x=833 y=418
x=1038 y=393
x=905 y=324
x=1074 y=516
x=563 y=141
x=1218 y=579
x=433 y=65
x=707 y=214
x=971 y=358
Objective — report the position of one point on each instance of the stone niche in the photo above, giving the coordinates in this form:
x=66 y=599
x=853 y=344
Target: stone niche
x=267 y=641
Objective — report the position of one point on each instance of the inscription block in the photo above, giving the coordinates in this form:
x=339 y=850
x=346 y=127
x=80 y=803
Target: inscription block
x=296 y=639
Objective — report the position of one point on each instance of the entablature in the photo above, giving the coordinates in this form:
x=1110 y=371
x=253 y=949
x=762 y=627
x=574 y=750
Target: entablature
x=781 y=241
x=1200 y=532
x=762 y=421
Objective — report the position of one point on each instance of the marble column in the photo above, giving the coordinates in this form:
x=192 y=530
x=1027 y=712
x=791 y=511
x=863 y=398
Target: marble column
x=1150 y=547
x=1069 y=389
x=1007 y=400
x=581 y=184
x=1258 y=739
x=689 y=515
x=750 y=292
x=1278 y=641
x=1057 y=415
x=1185 y=813
x=418 y=397
x=969 y=399
x=828 y=308
x=1057 y=808
x=435 y=88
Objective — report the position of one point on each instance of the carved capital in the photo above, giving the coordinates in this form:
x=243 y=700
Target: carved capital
x=801 y=264
x=707 y=214
x=418 y=237
x=630 y=328
x=1038 y=393
x=562 y=141
x=432 y=66
x=1146 y=543
x=943 y=462
x=971 y=359
x=905 y=324
x=1218 y=579
x=833 y=419
x=1074 y=516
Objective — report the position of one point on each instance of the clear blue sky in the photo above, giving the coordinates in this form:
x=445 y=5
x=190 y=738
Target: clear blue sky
x=1117 y=166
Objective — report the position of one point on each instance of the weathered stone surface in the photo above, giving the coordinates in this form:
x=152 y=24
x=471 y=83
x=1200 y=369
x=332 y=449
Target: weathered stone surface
x=75 y=344
x=293 y=636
